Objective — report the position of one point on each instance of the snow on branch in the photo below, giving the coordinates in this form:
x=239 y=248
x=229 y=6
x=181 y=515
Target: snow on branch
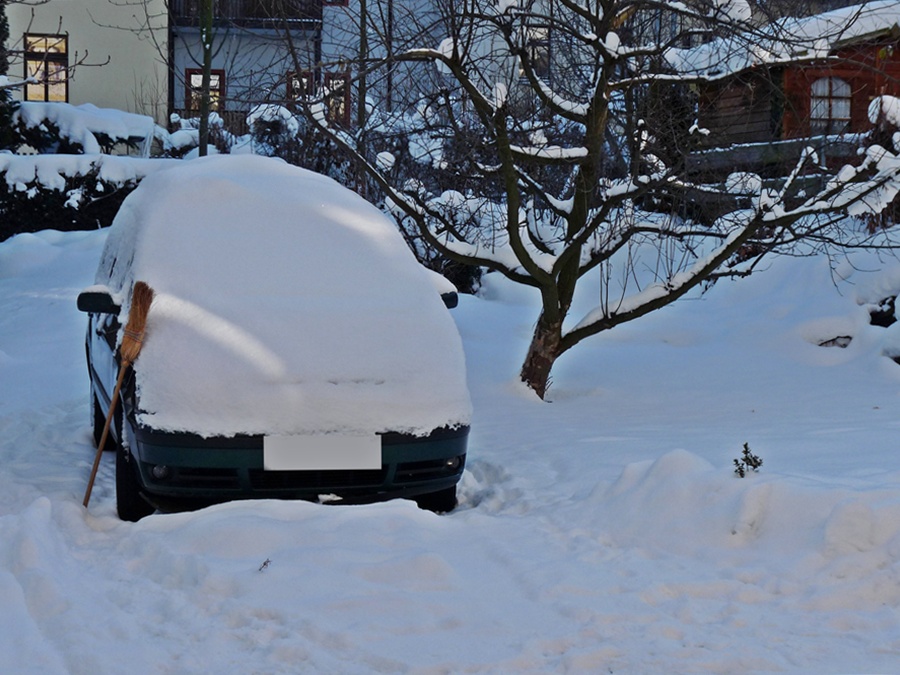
x=549 y=152
x=573 y=108
x=656 y=292
x=855 y=191
x=6 y=83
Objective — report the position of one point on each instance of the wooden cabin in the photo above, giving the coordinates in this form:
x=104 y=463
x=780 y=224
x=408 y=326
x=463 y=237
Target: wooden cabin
x=760 y=117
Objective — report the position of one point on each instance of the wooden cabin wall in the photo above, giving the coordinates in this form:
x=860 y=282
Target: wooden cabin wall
x=871 y=69
x=759 y=120
x=743 y=109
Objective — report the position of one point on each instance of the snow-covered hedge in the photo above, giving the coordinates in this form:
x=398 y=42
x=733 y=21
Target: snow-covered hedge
x=84 y=129
x=66 y=192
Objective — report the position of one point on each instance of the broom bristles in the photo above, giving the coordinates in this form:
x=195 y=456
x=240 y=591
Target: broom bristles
x=132 y=340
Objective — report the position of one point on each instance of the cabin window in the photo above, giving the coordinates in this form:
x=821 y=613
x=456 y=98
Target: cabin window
x=193 y=78
x=829 y=111
x=47 y=67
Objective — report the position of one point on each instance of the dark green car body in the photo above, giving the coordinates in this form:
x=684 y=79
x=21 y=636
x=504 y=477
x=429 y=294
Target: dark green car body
x=292 y=346
x=182 y=470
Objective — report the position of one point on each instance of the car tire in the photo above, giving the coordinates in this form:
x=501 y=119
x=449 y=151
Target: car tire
x=442 y=501
x=130 y=505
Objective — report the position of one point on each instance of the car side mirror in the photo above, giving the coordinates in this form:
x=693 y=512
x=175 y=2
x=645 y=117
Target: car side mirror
x=97 y=300
x=451 y=299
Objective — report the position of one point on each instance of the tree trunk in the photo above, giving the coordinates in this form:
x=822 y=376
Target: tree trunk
x=542 y=354
x=363 y=64
x=206 y=29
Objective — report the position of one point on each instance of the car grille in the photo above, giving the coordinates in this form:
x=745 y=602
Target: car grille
x=405 y=473
x=207 y=478
x=289 y=480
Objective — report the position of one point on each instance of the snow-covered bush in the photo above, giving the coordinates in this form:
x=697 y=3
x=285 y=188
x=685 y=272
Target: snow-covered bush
x=183 y=137
x=61 y=128
x=7 y=108
x=65 y=192
x=274 y=130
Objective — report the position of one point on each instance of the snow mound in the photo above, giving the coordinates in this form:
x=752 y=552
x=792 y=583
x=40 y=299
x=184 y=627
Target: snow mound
x=680 y=502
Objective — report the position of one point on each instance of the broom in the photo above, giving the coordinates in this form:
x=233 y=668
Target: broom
x=132 y=341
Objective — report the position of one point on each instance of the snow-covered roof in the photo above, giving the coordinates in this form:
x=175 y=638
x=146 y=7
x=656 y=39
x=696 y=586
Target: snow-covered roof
x=788 y=40
x=285 y=304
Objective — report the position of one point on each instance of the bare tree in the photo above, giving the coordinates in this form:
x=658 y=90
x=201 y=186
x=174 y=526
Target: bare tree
x=548 y=142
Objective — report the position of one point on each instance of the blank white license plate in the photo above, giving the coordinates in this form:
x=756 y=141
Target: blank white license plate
x=324 y=452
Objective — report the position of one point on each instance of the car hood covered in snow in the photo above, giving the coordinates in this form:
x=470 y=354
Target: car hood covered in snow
x=284 y=304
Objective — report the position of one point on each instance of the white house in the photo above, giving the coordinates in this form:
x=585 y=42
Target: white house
x=145 y=56
x=90 y=51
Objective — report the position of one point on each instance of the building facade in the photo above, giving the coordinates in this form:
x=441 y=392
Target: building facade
x=91 y=51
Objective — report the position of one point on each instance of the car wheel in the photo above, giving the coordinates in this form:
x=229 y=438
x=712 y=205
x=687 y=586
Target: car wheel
x=130 y=505
x=442 y=501
x=99 y=417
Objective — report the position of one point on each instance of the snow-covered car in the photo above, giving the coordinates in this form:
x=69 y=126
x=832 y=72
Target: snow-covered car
x=294 y=347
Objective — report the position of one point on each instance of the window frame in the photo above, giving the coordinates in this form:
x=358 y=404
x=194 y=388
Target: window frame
x=37 y=64
x=216 y=103
x=830 y=111
x=293 y=78
x=338 y=104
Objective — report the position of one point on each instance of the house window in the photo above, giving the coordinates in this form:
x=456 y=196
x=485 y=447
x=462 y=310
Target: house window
x=193 y=79
x=537 y=47
x=299 y=84
x=334 y=90
x=47 y=63
x=829 y=110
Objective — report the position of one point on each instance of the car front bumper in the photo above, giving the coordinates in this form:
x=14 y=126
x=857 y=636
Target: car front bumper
x=176 y=467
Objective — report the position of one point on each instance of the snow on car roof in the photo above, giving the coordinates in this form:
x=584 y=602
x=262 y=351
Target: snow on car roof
x=285 y=303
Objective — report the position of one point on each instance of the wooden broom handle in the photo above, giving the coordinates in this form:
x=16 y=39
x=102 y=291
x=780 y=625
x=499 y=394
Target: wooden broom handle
x=109 y=416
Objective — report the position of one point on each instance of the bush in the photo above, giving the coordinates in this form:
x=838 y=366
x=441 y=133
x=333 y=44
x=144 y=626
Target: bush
x=747 y=463
x=86 y=202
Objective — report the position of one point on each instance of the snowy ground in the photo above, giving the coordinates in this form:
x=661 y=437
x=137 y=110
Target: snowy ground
x=604 y=532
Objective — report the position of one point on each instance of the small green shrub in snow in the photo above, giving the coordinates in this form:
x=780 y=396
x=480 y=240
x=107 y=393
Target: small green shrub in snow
x=748 y=462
